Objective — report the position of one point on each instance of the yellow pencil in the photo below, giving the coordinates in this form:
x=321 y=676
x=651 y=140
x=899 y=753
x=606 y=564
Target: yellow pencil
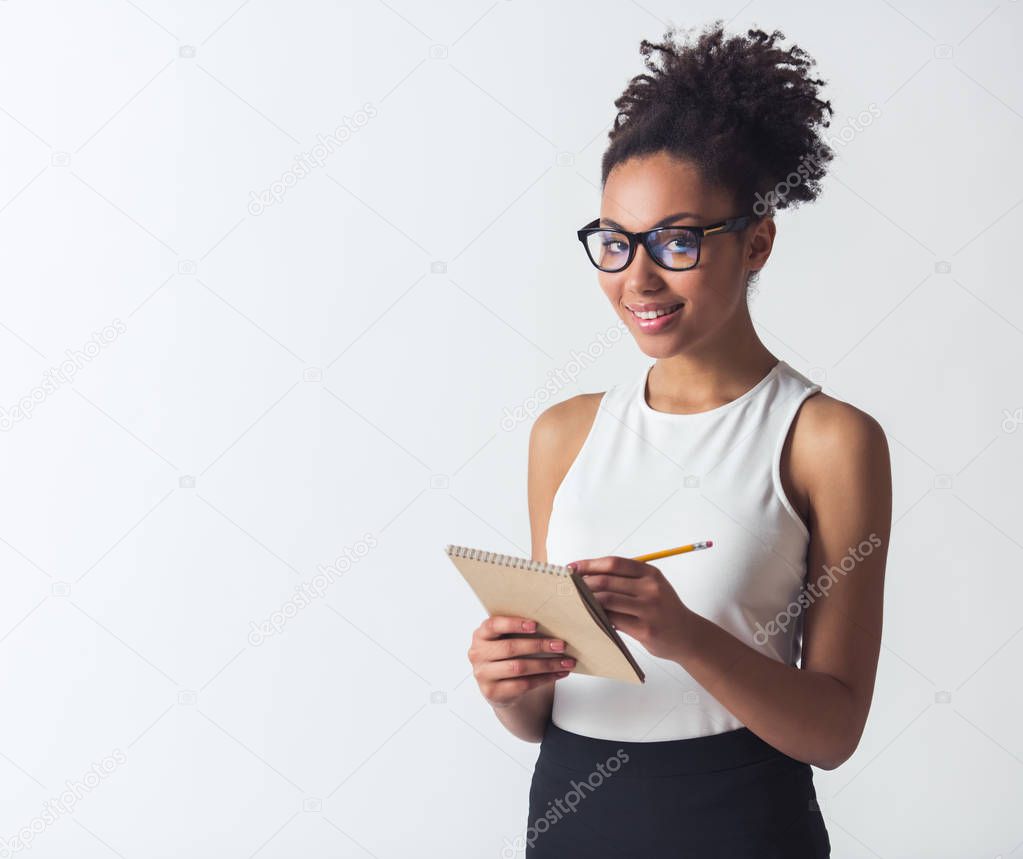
x=664 y=553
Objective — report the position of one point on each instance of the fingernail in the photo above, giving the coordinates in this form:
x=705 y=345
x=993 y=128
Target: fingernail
x=557 y=645
x=568 y=662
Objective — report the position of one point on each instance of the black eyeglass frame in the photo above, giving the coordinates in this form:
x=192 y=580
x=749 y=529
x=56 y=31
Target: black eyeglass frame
x=729 y=225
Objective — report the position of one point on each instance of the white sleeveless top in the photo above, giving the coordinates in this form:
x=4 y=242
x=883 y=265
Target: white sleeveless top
x=646 y=480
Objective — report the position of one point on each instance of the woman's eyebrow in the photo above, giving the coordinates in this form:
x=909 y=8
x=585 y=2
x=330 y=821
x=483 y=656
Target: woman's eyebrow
x=661 y=223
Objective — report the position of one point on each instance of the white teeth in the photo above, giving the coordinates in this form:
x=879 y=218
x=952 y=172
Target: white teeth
x=653 y=314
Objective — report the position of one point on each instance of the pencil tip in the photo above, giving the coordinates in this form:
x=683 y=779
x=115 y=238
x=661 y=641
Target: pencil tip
x=710 y=543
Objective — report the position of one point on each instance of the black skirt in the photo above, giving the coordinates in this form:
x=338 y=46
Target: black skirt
x=726 y=795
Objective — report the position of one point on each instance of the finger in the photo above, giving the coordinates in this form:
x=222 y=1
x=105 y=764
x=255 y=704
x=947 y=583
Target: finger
x=508 y=648
x=504 y=669
x=620 y=603
x=626 y=623
x=611 y=564
x=598 y=582
x=497 y=625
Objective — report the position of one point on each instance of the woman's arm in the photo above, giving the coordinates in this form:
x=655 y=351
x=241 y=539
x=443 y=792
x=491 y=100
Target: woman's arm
x=817 y=713
x=554 y=441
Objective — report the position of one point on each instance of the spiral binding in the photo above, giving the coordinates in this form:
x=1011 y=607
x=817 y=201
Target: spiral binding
x=506 y=560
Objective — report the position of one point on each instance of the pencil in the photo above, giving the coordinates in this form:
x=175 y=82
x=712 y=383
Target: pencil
x=664 y=553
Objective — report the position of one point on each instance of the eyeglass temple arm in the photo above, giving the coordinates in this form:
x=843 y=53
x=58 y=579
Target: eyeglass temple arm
x=727 y=226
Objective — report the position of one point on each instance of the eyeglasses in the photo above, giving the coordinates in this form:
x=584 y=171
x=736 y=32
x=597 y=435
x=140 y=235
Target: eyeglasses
x=673 y=248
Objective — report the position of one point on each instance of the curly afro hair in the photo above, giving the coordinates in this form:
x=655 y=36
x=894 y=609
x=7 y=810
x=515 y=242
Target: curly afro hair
x=744 y=111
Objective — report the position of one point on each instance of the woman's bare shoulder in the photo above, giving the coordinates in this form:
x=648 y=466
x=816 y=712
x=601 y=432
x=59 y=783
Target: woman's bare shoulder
x=831 y=437
x=560 y=423
x=555 y=440
x=826 y=422
x=559 y=432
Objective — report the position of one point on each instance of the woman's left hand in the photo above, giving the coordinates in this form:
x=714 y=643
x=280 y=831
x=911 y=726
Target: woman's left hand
x=640 y=602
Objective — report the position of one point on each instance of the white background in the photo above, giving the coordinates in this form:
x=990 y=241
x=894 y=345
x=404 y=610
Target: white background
x=338 y=365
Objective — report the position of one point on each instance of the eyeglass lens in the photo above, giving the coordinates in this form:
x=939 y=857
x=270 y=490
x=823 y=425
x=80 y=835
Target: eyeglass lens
x=675 y=248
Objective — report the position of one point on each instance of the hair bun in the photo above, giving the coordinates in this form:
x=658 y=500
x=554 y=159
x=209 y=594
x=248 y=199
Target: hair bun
x=744 y=110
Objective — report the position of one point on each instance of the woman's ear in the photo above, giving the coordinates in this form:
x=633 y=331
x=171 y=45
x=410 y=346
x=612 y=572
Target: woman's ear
x=760 y=243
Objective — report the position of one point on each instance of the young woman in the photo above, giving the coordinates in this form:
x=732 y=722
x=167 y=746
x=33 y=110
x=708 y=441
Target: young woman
x=759 y=653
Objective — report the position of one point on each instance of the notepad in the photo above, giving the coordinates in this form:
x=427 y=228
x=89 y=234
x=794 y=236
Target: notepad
x=560 y=602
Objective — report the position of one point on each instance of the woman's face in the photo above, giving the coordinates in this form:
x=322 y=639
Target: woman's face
x=638 y=195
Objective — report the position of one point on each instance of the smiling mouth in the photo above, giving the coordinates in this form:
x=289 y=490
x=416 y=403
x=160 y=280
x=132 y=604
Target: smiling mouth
x=654 y=314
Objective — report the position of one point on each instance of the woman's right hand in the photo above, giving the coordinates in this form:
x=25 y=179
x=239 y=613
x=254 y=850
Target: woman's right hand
x=506 y=668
